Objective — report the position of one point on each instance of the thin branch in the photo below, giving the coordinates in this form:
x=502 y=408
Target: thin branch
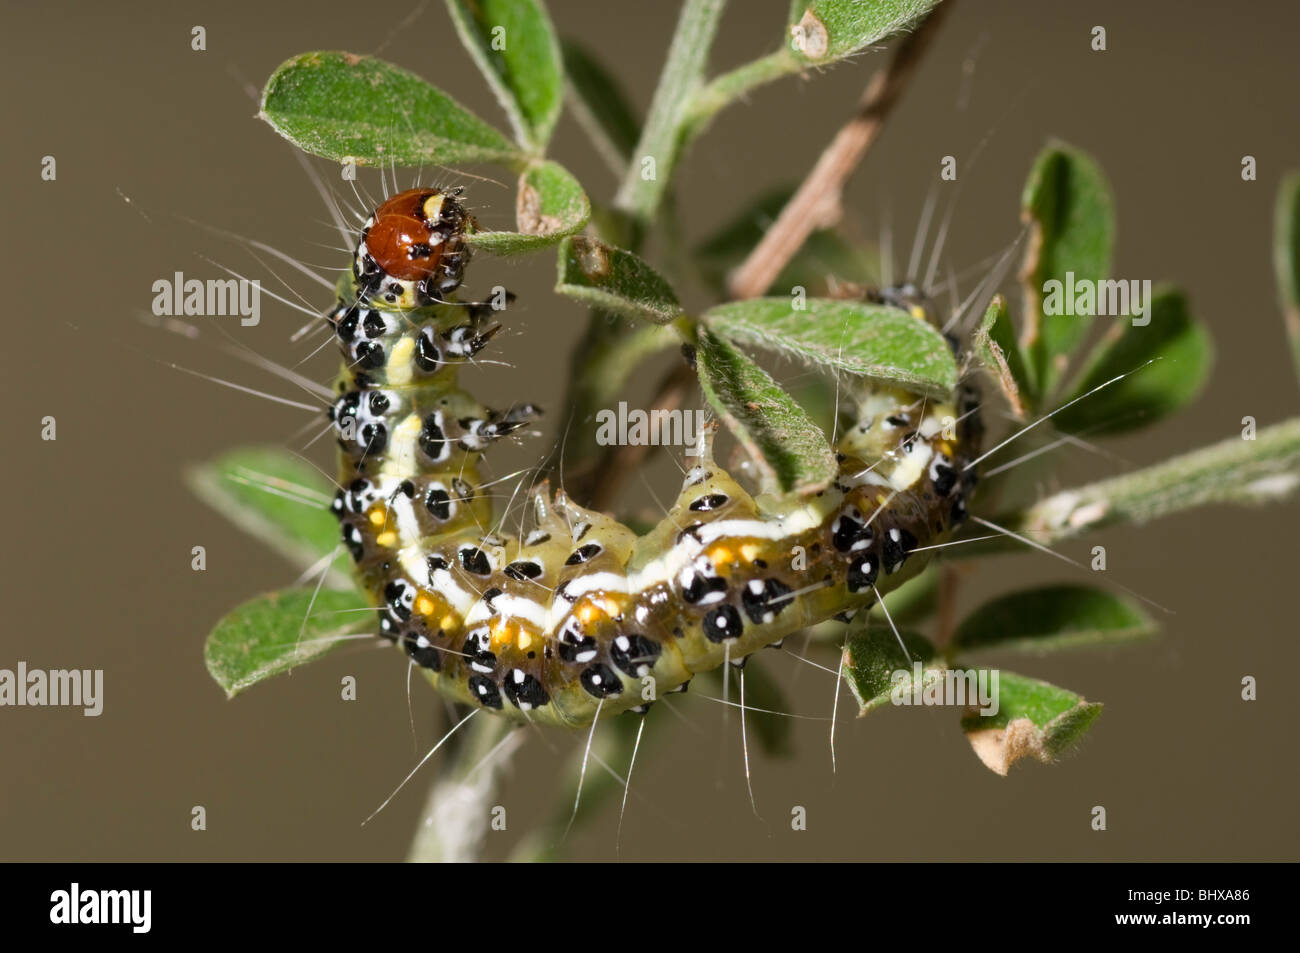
x=817 y=202
x=454 y=823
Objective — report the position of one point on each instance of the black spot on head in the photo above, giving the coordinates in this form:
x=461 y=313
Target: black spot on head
x=373 y=324
x=435 y=561
x=722 y=624
x=379 y=403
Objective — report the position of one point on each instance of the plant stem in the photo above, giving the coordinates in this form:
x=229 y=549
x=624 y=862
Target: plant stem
x=457 y=813
x=660 y=136
x=816 y=204
x=1235 y=470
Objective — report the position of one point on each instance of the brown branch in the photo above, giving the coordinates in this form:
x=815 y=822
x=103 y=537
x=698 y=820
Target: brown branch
x=817 y=203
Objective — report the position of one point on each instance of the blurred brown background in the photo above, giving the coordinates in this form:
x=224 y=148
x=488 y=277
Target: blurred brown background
x=99 y=526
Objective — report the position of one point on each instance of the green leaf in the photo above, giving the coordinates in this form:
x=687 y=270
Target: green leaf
x=876 y=668
x=1286 y=258
x=514 y=46
x=268 y=635
x=1053 y=617
x=348 y=107
x=1182 y=351
x=601 y=105
x=789 y=450
x=1067 y=203
x=878 y=342
x=996 y=348
x=825 y=257
x=823 y=31
x=1034 y=719
x=549 y=205
x=277 y=497
x=614 y=280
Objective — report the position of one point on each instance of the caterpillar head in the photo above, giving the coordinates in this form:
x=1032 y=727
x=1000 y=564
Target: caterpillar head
x=412 y=251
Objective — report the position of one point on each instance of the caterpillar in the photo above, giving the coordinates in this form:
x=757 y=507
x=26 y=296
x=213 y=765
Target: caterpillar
x=570 y=621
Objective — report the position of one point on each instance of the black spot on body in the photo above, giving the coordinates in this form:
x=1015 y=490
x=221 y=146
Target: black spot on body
x=722 y=624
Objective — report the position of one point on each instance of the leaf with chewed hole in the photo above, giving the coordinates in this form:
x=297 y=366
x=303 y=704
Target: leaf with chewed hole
x=1054 y=617
x=1067 y=204
x=614 y=280
x=514 y=46
x=878 y=342
x=1286 y=258
x=996 y=348
x=348 y=107
x=549 y=206
x=600 y=105
x=1182 y=351
x=280 y=631
x=823 y=31
x=877 y=670
x=279 y=498
x=1033 y=720
x=789 y=450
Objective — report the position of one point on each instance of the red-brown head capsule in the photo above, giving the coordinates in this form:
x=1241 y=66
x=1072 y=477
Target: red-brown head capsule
x=412 y=250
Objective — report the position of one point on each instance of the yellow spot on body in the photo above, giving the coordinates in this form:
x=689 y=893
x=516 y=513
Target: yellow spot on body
x=399 y=361
x=425 y=606
x=378 y=516
x=750 y=552
x=387 y=540
x=525 y=640
x=433 y=207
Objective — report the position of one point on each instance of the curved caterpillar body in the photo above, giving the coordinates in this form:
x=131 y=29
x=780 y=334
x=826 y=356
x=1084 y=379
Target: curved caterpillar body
x=571 y=621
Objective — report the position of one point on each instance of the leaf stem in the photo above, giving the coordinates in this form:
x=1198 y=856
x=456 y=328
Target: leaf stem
x=660 y=139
